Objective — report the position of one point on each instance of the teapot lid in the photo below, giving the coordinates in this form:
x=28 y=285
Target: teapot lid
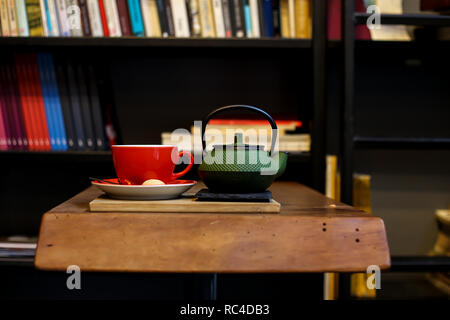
x=239 y=144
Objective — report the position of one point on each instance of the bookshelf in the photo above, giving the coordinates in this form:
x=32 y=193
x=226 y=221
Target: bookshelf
x=350 y=137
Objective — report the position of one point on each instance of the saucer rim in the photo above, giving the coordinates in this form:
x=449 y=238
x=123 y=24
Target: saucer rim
x=193 y=182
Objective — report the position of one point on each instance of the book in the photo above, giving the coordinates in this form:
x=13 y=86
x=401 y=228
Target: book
x=303 y=19
x=206 y=19
x=227 y=18
x=162 y=18
x=124 y=17
x=85 y=23
x=112 y=17
x=54 y=93
x=268 y=18
x=64 y=27
x=3 y=144
x=95 y=20
x=99 y=129
x=4 y=18
x=237 y=20
x=52 y=18
x=27 y=103
x=276 y=18
x=74 y=18
x=37 y=101
x=284 y=18
x=169 y=18
x=65 y=105
x=254 y=12
x=335 y=25
x=180 y=18
x=291 y=13
x=85 y=106
x=34 y=18
x=150 y=16
x=13 y=30
x=55 y=141
x=247 y=19
x=80 y=143
x=17 y=107
x=101 y=7
x=137 y=25
x=219 y=18
x=4 y=110
x=44 y=17
x=387 y=32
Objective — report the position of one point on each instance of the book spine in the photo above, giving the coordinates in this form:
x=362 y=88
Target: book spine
x=4 y=18
x=5 y=112
x=3 y=144
x=95 y=20
x=227 y=18
x=17 y=108
x=74 y=18
x=44 y=18
x=207 y=19
x=219 y=18
x=284 y=18
x=169 y=17
x=12 y=16
x=24 y=96
x=8 y=107
x=76 y=108
x=254 y=18
x=247 y=19
x=151 y=18
x=22 y=23
x=124 y=17
x=101 y=7
x=112 y=17
x=65 y=106
x=194 y=16
x=85 y=108
x=99 y=128
x=239 y=21
x=84 y=10
x=162 y=18
x=34 y=17
x=268 y=18
x=180 y=18
x=291 y=12
x=64 y=27
x=303 y=19
x=57 y=101
x=137 y=26
x=53 y=14
x=276 y=18
x=49 y=113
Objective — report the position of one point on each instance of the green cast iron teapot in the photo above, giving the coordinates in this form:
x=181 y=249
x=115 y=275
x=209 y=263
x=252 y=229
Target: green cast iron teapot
x=241 y=168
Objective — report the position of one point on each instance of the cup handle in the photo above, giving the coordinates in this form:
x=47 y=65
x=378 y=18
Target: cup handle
x=191 y=163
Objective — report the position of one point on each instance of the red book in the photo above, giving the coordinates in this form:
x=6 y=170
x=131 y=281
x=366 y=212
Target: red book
x=124 y=17
x=27 y=108
x=38 y=102
x=4 y=110
x=103 y=16
x=17 y=107
x=335 y=25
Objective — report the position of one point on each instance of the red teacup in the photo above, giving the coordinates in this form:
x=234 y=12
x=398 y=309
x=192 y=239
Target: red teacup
x=135 y=164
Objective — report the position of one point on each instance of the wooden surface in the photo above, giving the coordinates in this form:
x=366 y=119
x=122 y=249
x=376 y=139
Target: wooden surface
x=311 y=234
x=189 y=205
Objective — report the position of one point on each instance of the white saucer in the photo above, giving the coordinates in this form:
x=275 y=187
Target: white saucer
x=138 y=192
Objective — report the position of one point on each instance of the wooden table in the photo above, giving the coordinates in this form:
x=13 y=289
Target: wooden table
x=311 y=234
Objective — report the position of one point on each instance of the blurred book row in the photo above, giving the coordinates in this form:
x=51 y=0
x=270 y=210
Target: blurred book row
x=156 y=18
x=221 y=131
x=50 y=105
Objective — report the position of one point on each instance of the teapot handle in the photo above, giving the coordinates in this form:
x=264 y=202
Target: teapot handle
x=241 y=107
